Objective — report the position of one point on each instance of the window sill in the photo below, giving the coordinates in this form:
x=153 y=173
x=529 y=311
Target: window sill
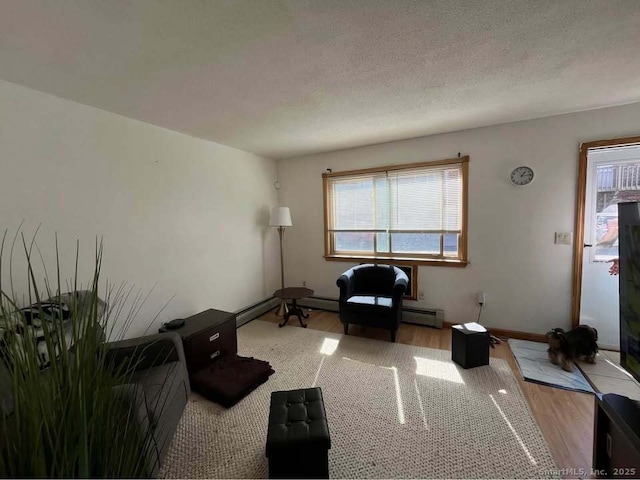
x=436 y=262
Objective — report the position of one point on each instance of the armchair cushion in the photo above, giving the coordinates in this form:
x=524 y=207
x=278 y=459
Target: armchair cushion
x=368 y=301
x=374 y=279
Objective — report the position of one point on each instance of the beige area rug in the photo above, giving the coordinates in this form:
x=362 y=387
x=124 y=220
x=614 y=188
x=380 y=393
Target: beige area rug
x=394 y=411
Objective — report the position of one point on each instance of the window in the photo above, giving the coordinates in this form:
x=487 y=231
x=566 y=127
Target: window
x=405 y=212
x=615 y=182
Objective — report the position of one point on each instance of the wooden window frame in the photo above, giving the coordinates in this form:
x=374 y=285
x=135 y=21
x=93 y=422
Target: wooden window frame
x=399 y=259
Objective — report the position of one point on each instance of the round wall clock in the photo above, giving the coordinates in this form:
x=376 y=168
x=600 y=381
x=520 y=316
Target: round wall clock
x=521 y=176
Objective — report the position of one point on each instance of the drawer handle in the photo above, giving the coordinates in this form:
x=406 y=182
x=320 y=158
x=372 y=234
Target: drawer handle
x=214 y=354
x=214 y=337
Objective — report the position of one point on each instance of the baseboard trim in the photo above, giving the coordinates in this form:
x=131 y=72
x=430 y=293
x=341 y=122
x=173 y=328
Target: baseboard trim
x=533 y=337
x=320 y=303
x=415 y=315
x=245 y=315
x=499 y=332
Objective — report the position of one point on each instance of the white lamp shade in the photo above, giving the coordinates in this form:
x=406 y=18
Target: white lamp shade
x=280 y=217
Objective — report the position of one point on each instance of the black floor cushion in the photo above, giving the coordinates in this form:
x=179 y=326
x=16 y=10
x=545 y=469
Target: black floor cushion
x=231 y=378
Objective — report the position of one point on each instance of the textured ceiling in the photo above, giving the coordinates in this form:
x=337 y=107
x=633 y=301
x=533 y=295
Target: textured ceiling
x=289 y=77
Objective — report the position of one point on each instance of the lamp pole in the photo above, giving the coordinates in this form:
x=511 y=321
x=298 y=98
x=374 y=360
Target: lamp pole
x=283 y=308
x=281 y=233
x=281 y=217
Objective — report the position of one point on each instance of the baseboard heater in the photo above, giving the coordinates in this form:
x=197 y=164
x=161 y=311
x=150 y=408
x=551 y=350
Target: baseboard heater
x=416 y=315
x=251 y=312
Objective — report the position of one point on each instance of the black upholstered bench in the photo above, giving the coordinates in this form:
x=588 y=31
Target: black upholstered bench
x=298 y=439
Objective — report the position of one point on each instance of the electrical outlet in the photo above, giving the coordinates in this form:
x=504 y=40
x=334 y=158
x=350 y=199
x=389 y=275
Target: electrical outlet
x=563 y=238
x=421 y=295
x=482 y=298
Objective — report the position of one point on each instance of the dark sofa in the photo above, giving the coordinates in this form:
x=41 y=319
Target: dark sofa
x=160 y=386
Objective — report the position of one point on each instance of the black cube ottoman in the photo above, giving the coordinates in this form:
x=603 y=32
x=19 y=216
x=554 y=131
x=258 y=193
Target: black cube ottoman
x=298 y=439
x=470 y=344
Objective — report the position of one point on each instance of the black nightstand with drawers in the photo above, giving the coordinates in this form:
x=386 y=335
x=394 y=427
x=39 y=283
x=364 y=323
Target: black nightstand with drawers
x=206 y=336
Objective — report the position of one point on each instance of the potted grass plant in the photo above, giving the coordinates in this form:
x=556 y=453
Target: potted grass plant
x=68 y=408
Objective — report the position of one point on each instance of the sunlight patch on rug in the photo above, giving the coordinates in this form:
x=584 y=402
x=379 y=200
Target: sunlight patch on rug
x=438 y=369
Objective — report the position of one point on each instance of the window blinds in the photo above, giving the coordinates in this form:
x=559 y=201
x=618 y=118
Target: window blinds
x=412 y=211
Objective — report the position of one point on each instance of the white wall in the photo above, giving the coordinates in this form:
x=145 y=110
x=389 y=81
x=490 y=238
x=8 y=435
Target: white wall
x=186 y=214
x=511 y=230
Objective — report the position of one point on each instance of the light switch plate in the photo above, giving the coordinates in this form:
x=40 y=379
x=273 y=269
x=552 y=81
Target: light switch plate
x=563 y=238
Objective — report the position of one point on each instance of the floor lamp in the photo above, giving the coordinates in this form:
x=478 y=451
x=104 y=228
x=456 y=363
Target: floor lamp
x=281 y=218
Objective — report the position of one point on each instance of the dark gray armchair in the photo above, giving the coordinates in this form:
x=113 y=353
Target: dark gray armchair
x=372 y=295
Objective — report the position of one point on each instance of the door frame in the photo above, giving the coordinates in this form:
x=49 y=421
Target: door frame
x=578 y=242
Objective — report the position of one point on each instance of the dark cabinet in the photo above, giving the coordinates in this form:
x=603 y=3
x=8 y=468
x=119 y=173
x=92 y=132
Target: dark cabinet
x=207 y=336
x=616 y=442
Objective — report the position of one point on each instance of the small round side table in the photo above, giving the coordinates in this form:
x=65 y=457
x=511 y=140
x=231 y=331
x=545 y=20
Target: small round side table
x=294 y=294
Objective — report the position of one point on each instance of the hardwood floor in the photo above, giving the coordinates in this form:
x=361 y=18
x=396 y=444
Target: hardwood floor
x=565 y=418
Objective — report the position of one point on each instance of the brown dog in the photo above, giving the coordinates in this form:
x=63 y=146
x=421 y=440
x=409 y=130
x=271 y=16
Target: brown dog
x=566 y=347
